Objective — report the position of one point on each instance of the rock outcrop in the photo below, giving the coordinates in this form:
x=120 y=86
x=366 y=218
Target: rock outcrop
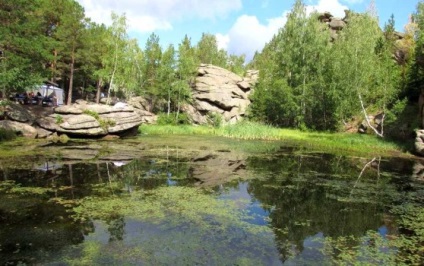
x=334 y=24
x=142 y=107
x=91 y=120
x=218 y=91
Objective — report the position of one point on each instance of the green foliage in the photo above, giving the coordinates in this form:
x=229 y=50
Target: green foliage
x=336 y=142
x=92 y=113
x=173 y=119
x=410 y=245
x=24 y=46
x=291 y=90
x=308 y=82
x=151 y=68
x=207 y=51
x=406 y=249
x=3 y=106
x=104 y=123
x=11 y=187
x=7 y=134
x=214 y=119
x=59 y=119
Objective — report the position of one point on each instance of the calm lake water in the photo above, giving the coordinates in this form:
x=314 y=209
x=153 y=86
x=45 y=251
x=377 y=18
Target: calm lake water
x=199 y=201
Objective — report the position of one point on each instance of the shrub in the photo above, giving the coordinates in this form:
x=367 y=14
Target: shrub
x=104 y=123
x=172 y=119
x=59 y=119
x=92 y=113
x=7 y=134
x=214 y=119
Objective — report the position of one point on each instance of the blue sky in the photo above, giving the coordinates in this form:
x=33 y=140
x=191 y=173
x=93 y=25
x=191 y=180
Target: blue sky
x=241 y=26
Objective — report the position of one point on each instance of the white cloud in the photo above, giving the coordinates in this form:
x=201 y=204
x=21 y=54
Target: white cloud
x=353 y=1
x=333 y=6
x=248 y=35
x=223 y=41
x=148 y=15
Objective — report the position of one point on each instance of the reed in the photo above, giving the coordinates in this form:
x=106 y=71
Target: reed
x=334 y=142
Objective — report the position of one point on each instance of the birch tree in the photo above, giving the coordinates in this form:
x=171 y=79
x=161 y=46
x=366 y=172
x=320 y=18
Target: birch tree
x=115 y=41
x=356 y=66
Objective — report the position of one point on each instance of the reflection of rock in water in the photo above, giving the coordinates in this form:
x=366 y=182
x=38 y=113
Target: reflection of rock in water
x=215 y=169
x=418 y=171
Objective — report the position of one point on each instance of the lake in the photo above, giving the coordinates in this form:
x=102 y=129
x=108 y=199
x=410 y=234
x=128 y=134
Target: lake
x=196 y=200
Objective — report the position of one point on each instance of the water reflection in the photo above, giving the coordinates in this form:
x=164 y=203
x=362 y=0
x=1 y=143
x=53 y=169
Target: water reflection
x=296 y=201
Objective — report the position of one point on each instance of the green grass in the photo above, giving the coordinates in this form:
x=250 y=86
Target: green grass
x=334 y=142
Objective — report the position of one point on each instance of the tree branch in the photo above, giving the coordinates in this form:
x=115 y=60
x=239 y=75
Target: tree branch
x=380 y=134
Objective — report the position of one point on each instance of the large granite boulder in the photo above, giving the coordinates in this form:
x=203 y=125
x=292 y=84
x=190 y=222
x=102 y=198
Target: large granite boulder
x=218 y=91
x=20 y=128
x=16 y=112
x=91 y=120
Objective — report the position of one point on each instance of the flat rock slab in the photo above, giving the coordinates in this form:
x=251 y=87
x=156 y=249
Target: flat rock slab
x=65 y=109
x=92 y=120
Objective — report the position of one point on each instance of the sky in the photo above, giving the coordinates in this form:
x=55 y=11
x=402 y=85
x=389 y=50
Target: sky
x=240 y=26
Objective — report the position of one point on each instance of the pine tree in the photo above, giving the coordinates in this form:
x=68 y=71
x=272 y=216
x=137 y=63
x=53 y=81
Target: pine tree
x=187 y=64
x=152 y=62
x=207 y=51
x=69 y=34
x=22 y=45
x=167 y=76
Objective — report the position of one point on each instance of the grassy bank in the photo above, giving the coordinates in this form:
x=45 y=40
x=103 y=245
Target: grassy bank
x=334 y=142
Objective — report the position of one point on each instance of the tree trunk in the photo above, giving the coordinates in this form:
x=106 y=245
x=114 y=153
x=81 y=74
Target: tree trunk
x=380 y=134
x=71 y=80
x=99 y=89
x=53 y=66
x=169 y=102
x=115 y=66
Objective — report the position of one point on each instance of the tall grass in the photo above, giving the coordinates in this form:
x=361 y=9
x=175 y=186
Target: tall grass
x=346 y=142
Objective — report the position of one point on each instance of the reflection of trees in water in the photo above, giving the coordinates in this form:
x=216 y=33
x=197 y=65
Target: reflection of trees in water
x=116 y=228
x=34 y=228
x=307 y=195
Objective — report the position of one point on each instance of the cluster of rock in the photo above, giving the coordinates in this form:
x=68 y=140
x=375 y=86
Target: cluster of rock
x=218 y=91
x=334 y=24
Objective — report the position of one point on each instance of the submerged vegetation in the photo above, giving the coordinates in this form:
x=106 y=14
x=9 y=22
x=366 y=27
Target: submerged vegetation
x=151 y=211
